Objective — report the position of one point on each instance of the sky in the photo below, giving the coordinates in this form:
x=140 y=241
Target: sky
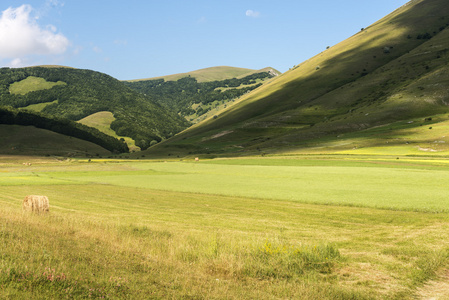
x=137 y=39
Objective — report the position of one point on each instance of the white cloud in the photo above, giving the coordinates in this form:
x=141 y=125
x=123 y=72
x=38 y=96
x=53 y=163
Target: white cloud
x=252 y=13
x=20 y=35
x=16 y=63
x=97 y=49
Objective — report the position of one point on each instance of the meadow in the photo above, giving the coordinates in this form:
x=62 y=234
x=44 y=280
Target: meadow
x=307 y=227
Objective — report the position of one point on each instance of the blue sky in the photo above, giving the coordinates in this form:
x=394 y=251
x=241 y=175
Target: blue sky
x=145 y=38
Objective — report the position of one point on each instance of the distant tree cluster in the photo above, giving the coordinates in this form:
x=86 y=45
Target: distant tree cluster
x=180 y=95
x=11 y=116
x=87 y=92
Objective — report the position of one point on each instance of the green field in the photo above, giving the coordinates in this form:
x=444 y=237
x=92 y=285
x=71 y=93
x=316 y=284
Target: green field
x=31 y=84
x=102 y=121
x=310 y=227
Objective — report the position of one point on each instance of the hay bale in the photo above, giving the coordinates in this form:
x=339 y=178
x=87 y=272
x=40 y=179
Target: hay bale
x=37 y=204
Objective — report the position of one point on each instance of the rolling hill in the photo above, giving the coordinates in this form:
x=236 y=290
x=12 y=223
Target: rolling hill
x=378 y=88
x=197 y=100
x=76 y=94
x=207 y=74
x=30 y=133
x=29 y=140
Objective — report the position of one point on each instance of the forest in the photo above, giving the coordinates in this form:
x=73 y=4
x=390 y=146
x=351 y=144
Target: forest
x=87 y=92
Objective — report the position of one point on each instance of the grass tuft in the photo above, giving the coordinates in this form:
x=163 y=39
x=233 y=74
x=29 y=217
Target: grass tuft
x=286 y=261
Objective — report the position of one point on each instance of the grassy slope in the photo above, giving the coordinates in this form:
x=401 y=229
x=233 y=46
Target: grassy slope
x=135 y=242
x=32 y=83
x=209 y=74
x=102 y=121
x=40 y=106
x=28 y=140
x=327 y=95
x=52 y=66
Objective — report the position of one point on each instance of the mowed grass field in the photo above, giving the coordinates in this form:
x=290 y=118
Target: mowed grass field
x=305 y=227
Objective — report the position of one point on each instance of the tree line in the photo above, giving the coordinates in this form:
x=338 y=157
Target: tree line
x=11 y=116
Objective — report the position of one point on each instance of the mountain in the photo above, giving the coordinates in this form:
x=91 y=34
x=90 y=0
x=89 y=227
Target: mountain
x=76 y=94
x=208 y=74
x=197 y=100
x=384 y=84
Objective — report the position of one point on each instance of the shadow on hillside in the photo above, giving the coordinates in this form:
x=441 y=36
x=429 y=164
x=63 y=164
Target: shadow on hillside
x=340 y=69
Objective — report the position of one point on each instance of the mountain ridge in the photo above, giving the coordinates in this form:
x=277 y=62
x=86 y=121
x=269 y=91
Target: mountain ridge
x=210 y=74
x=346 y=88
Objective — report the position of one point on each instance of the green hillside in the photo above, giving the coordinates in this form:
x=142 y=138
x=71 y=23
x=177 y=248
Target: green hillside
x=207 y=74
x=375 y=87
x=102 y=121
x=31 y=84
x=10 y=116
x=29 y=140
x=76 y=94
x=197 y=100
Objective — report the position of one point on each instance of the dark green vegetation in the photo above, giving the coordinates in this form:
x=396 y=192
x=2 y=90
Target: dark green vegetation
x=392 y=71
x=29 y=140
x=9 y=116
x=191 y=98
x=76 y=94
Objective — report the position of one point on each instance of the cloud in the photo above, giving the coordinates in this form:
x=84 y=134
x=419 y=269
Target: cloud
x=16 y=63
x=252 y=13
x=97 y=49
x=20 y=35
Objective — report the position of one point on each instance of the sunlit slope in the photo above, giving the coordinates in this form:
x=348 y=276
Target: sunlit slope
x=395 y=69
x=211 y=74
x=102 y=121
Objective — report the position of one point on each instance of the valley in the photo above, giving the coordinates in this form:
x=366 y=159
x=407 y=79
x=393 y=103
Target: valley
x=327 y=181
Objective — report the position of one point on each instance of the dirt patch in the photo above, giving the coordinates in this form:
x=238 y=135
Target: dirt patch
x=427 y=149
x=218 y=135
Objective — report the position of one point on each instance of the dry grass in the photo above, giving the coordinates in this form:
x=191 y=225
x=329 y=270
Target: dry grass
x=208 y=74
x=437 y=289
